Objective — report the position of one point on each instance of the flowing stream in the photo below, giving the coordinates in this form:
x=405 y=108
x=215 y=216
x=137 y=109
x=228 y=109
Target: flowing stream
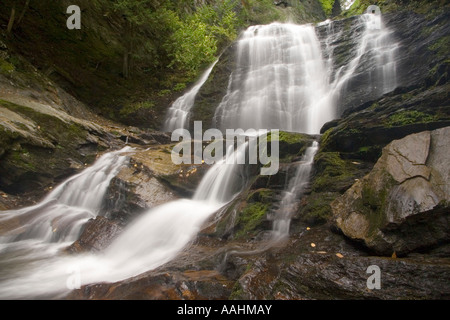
x=33 y=267
x=297 y=185
x=282 y=81
x=178 y=113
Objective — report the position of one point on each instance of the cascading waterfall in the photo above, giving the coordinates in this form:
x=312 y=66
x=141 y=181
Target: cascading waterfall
x=59 y=217
x=153 y=239
x=297 y=185
x=178 y=113
x=375 y=48
x=280 y=81
x=36 y=234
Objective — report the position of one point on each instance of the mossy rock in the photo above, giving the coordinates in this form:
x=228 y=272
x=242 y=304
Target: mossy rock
x=332 y=173
x=315 y=208
x=38 y=156
x=252 y=219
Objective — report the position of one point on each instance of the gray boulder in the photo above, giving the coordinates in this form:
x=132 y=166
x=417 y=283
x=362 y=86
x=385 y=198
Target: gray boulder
x=402 y=205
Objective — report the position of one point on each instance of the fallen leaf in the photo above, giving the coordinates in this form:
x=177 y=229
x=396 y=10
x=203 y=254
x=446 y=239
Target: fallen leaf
x=394 y=255
x=308 y=228
x=340 y=256
x=313 y=245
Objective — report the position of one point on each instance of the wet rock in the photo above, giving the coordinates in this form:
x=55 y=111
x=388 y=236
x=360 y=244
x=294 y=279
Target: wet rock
x=402 y=204
x=170 y=285
x=365 y=130
x=334 y=269
x=97 y=234
x=134 y=190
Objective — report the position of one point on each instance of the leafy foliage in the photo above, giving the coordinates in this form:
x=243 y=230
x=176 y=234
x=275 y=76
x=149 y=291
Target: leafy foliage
x=327 y=6
x=181 y=35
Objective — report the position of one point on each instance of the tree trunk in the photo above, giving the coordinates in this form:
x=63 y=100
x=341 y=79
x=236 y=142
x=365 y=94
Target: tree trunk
x=25 y=8
x=11 y=18
x=125 y=67
x=127 y=62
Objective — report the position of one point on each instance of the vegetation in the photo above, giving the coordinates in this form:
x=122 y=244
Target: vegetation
x=406 y=117
x=327 y=6
x=130 y=52
x=421 y=7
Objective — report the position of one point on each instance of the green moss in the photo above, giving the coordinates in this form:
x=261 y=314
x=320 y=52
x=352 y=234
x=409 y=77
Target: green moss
x=327 y=6
x=317 y=209
x=441 y=46
x=369 y=153
x=6 y=68
x=37 y=160
x=21 y=158
x=261 y=12
x=375 y=200
x=251 y=217
x=291 y=137
x=135 y=107
x=51 y=128
x=291 y=144
x=261 y=195
x=332 y=173
x=325 y=139
x=237 y=292
x=406 y=117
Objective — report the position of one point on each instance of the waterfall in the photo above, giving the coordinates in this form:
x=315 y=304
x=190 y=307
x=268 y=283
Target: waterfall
x=297 y=185
x=374 y=58
x=285 y=78
x=223 y=180
x=177 y=114
x=153 y=239
x=280 y=81
x=60 y=216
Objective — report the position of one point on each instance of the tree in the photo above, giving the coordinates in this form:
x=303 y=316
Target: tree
x=12 y=18
x=136 y=15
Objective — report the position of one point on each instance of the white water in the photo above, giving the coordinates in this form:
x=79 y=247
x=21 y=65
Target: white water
x=37 y=269
x=283 y=79
x=286 y=86
x=59 y=217
x=280 y=81
x=177 y=114
x=296 y=187
x=376 y=48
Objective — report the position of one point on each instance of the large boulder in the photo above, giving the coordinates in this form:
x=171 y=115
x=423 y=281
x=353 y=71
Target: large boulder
x=402 y=205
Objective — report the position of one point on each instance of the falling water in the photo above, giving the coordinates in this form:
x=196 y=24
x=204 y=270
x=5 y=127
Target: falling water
x=377 y=51
x=178 y=113
x=280 y=81
x=36 y=234
x=297 y=185
x=60 y=216
x=150 y=241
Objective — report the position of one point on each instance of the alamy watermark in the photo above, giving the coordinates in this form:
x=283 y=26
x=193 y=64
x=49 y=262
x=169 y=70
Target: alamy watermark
x=242 y=147
x=374 y=281
x=74 y=20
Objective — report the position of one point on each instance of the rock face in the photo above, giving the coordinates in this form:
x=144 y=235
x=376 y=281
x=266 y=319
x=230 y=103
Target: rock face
x=403 y=204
